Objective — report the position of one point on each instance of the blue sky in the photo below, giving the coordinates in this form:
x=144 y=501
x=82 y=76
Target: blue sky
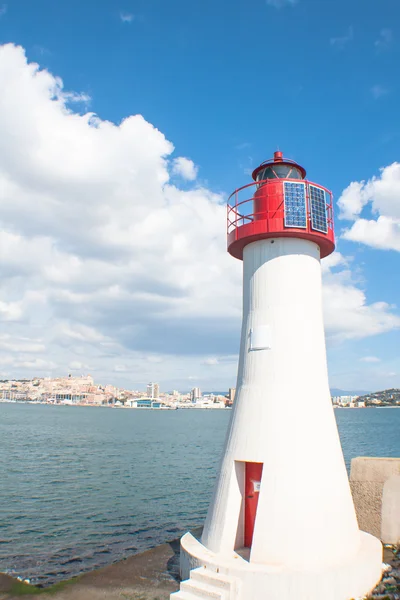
x=226 y=84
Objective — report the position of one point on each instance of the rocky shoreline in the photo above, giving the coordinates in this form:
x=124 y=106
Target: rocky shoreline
x=389 y=587
x=154 y=575
x=151 y=575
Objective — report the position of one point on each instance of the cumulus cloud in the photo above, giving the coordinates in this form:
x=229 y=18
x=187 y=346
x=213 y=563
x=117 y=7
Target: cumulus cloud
x=185 y=168
x=347 y=313
x=106 y=263
x=381 y=194
x=3 y=10
x=98 y=247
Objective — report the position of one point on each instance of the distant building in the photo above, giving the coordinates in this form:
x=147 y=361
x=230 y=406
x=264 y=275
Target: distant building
x=144 y=403
x=195 y=394
x=344 y=400
x=231 y=394
x=153 y=390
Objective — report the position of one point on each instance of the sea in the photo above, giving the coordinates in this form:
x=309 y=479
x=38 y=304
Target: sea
x=83 y=487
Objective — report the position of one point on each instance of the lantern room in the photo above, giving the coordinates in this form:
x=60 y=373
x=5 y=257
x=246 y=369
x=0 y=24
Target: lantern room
x=280 y=203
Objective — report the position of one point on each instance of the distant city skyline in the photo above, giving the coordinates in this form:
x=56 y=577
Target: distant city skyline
x=123 y=131
x=84 y=391
x=153 y=389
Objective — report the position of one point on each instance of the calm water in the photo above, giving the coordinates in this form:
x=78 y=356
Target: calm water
x=84 y=487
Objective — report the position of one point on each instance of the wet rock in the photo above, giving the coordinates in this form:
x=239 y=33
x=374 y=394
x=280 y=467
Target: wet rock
x=389 y=581
x=389 y=586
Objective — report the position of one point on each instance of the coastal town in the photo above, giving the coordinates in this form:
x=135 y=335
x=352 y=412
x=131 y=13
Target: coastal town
x=385 y=398
x=83 y=391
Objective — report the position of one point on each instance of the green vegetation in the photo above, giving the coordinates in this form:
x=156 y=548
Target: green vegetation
x=19 y=588
x=385 y=398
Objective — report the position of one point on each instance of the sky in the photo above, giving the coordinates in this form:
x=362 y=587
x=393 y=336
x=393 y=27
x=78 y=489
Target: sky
x=124 y=127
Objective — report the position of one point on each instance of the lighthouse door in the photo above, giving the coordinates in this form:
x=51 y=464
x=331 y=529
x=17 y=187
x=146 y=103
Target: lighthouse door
x=252 y=491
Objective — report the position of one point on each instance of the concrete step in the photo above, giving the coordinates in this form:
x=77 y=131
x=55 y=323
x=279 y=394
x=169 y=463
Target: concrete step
x=201 y=589
x=216 y=580
x=182 y=596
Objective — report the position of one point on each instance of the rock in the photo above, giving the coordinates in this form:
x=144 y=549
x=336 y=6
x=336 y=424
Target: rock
x=395 y=573
x=379 y=589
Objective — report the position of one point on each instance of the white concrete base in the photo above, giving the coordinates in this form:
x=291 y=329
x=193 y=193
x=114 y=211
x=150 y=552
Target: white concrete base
x=204 y=583
x=230 y=577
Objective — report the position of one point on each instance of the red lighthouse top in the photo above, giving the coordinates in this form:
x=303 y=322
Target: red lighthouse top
x=281 y=203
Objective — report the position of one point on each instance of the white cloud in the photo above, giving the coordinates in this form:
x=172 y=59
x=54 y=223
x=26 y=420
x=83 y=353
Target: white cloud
x=99 y=250
x=336 y=259
x=106 y=262
x=37 y=364
x=75 y=365
x=342 y=41
x=370 y=359
x=77 y=97
x=347 y=314
x=352 y=200
x=378 y=91
x=121 y=368
x=185 y=168
x=3 y=10
x=154 y=359
x=381 y=194
x=126 y=17
x=281 y=3
x=382 y=233
x=211 y=362
x=385 y=39
x=21 y=344
x=10 y=311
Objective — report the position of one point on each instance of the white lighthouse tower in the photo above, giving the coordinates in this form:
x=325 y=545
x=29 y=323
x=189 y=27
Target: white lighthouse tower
x=281 y=524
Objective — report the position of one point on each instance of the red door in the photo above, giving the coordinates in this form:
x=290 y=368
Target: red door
x=252 y=491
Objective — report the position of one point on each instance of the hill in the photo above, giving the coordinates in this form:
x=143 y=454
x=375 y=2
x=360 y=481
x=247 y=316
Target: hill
x=384 y=398
x=338 y=392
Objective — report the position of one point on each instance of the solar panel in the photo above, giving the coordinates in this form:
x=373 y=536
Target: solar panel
x=318 y=209
x=295 y=205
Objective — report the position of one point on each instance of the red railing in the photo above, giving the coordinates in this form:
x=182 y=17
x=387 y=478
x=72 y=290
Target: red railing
x=241 y=211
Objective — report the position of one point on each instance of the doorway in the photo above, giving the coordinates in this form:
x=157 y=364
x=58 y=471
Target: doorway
x=253 y=474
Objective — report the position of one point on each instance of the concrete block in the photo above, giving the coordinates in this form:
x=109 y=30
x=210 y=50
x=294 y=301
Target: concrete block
x=367 y=497
x=366 y=468
x=391 y=510
x=368 y=476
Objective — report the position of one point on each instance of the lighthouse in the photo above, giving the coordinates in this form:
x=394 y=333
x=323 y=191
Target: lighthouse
x=281 y=523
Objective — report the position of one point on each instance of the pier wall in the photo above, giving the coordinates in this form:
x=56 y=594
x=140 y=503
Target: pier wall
x=375 y=485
